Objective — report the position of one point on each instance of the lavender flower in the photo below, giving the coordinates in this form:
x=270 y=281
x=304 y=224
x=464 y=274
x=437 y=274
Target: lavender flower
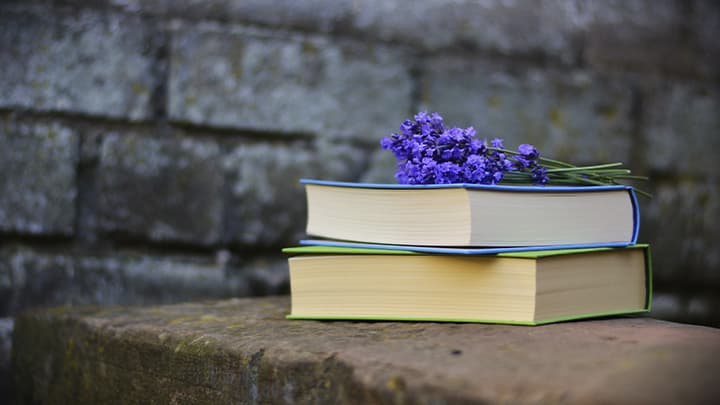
x=429 y=153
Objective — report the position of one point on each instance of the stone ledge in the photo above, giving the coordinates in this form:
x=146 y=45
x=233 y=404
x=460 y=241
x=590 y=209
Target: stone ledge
x=244 y=351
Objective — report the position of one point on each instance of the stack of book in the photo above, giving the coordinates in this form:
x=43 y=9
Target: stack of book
x=469 y=253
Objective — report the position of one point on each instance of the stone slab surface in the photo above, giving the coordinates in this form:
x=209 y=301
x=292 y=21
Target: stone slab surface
x=245 y=351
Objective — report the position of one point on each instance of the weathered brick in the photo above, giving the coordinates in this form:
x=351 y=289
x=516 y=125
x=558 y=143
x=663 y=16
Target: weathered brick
x=162 y=189
x=37 y=186
x=151 y=279
x=667 y=306
x=6 y=328
x=36 y=280
x=682 y=123
x=49 y=278
x=77 y=61
x=693 y=307
x=707 y=25
x=266 y=204
x=574 y=116
x=306 y=15
x=681 y=224
x=547 y=27
x=260 y=81
x=381 y=168
x=640 y=35
x=265 y=275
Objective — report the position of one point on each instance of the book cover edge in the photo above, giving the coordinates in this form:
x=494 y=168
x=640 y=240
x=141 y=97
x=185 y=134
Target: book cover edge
x=377 y=318
x=460 y=251
x=498 y=187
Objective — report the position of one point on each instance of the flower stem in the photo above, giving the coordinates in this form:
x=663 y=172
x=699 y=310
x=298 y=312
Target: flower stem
x=579 y=168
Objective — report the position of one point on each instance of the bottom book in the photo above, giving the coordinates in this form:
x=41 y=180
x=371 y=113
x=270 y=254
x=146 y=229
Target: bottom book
x=525 y=288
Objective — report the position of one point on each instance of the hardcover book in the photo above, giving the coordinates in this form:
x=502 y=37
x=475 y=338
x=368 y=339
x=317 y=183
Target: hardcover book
x=472 y=214
x=521 y=287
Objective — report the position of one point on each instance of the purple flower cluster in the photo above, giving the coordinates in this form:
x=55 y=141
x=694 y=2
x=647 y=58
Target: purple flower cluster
x=429 y=153
x=527 y=160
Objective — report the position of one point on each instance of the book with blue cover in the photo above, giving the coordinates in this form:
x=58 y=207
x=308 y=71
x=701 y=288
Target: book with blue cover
x=471 y=216
x=518 y=287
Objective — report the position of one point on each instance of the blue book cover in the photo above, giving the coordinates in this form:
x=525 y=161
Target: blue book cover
x=455 y=250
x=364 y=214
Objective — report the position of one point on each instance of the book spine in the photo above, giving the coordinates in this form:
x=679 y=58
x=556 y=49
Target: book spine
x=636 y=215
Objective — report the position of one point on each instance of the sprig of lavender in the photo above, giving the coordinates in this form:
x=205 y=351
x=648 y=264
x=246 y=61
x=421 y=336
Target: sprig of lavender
x=429 y=153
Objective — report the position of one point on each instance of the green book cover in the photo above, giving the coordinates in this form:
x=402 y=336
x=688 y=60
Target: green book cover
x=529 y=255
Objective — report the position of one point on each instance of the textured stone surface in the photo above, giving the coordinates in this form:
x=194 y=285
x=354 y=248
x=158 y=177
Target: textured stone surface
x=682 y=125
x=307 y=15
x=77 y=61
x=681 y=223
x=547 y=28
x=31 y=277
x=37 y=185
x=618 y=33
x=164 y=189
x=6 y=328
x=244 y=351
x=574 y=115
x=266 y=204
x=274 y=82
x=707 y=23
x=692 y=307
x=381 y=168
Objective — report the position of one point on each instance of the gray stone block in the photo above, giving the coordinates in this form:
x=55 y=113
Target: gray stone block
x=640 y=35
x=546 y=27
x=266 y=204
x=701 y=307
x=265 y=275
x=382 y=168
x=306 y=15
x=36 y=279
x=82 y=61
x=707 y=25
x=152 y=279
x=681 y=224
x=31 y=277
x=37 y=186
x=272 y=82
x=6 y=329
x=162 y=189
x=574 y=116
x=682 y=124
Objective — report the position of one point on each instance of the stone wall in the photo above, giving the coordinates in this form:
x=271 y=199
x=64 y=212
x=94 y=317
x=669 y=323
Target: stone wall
x=150 y=150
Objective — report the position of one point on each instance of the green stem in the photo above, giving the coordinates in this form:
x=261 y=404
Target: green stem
x=541 y=159
x=578 y=168
x=553 y=161
x=631 y=177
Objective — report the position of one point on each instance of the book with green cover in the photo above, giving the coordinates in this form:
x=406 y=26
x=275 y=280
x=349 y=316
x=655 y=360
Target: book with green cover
x=520 y=287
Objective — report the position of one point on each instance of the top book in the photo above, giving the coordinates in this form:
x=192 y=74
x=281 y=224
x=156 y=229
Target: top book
x=472 y=214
